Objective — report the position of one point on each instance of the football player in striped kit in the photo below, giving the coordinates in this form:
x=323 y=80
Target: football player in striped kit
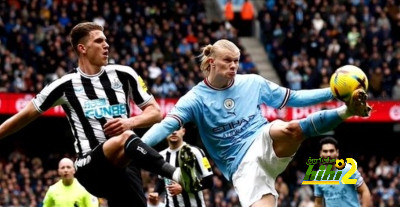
x=95 y=97
x=176 y=196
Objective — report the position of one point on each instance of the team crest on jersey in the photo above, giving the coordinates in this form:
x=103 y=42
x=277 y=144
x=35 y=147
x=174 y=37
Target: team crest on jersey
x=116 y=83
x=229 y=103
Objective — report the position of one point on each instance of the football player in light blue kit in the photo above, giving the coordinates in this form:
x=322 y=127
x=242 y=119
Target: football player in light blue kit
x=249 y=150
x=342 y=194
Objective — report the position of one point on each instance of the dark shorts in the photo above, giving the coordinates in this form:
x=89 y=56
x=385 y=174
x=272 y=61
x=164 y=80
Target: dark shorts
x=120 y=186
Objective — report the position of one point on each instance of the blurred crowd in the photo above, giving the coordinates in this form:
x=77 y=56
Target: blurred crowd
x=307 y=40
x=24 y=181
x=159 y=39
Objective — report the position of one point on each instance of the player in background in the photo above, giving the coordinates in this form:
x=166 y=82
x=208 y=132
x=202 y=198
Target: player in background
x=68 y=191
x=176 y=196
x=96 y=98
x=342 y=194
x=250 y=151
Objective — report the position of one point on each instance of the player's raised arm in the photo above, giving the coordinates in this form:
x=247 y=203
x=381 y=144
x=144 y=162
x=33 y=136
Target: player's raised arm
x=160 y=131
x=277 y=96
x=19 y=120
x=151 y=113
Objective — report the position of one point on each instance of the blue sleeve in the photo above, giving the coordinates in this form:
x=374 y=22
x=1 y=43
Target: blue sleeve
x=185 y=109
x=318 y=191
x=160 y=131
x=271 y=93
x=277 y=96
x=176 y=118
x=302 y=98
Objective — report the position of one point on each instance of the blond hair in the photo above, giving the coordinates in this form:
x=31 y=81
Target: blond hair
x=211 y=51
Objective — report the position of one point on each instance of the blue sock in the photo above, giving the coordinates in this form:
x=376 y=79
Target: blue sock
x=320 y=122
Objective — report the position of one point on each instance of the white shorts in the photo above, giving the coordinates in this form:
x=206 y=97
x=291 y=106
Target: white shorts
x=258 y=170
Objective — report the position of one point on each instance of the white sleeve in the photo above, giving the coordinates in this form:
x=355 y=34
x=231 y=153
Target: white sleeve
x=202 y=161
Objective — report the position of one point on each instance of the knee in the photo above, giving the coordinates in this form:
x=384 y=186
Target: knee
x=286 y=131
x=295 y=132
x=121 y=139
x=125 y=135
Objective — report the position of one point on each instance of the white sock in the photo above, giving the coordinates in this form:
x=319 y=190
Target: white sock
x=343 y=112
x=177 y=175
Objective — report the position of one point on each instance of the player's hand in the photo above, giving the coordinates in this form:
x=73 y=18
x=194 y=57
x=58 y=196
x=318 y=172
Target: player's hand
x=174 y=189
x=153 y=197
x=115 y=127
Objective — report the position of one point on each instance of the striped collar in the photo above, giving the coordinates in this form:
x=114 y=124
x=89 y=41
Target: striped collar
x=102 y=69
x=218 y=89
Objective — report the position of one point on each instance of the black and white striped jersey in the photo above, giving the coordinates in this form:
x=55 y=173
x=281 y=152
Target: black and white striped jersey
x=90 y=100
x=203 y=167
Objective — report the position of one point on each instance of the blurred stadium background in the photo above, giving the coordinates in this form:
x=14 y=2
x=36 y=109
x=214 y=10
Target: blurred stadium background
x=296 y=43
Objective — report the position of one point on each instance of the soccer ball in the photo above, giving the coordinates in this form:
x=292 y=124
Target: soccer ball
x=345 y=80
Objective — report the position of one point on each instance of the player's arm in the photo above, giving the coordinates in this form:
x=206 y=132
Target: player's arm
x=308 y=97
x=205 y=168
x=174 y=188
x=90 y=200
x=151 y=114
x=319 y=202
x=319 y=196
x=207 y=182
x=365 y=195
x=176 y=118
x=278 y=97
x=48 y=200
x=154 y=196
x=160 y=131
x=19 y=120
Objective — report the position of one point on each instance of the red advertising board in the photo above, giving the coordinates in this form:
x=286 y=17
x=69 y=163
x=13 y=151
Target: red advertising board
x=383 y=111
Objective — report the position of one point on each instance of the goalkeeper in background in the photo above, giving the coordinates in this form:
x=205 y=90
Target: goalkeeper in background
x=68 y=191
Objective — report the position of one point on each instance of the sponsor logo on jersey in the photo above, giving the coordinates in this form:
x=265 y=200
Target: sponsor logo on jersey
x=99 y=108
x=239 y=125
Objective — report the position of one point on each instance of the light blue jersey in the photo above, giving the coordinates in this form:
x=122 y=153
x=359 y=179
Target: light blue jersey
x=343 y=194
x=229 y=119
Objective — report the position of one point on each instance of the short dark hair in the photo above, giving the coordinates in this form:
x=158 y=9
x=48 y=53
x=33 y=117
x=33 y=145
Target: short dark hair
x=329 y=140
x=81 y=31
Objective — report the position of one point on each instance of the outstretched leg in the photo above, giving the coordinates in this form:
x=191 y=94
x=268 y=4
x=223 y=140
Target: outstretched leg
x=288 y=136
